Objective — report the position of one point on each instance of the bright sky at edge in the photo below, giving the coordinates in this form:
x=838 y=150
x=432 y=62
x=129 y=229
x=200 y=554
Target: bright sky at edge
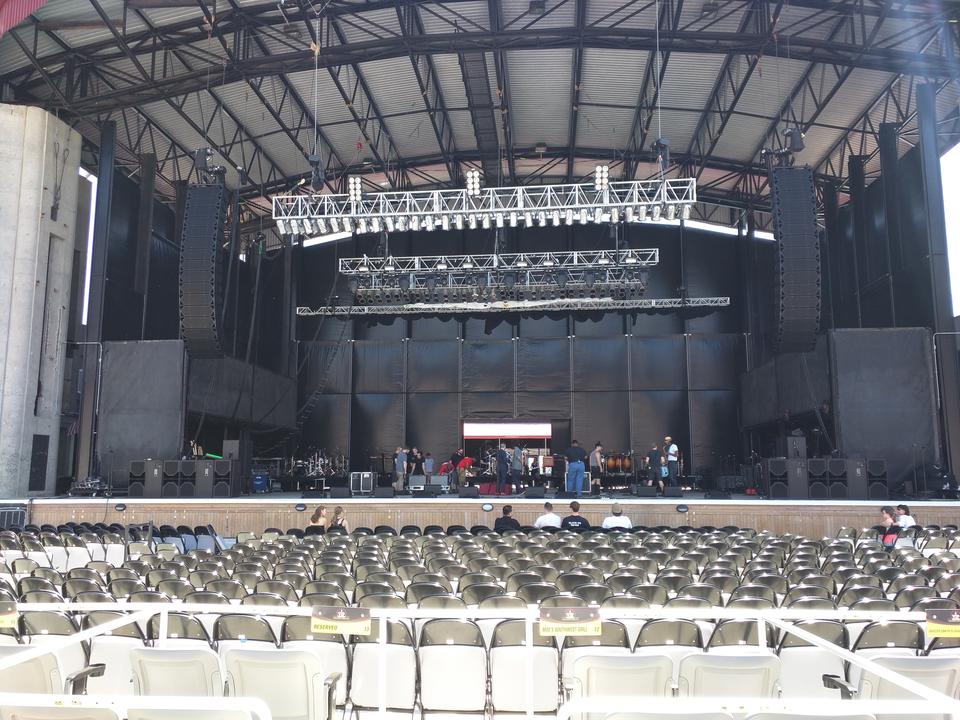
x=950 y=171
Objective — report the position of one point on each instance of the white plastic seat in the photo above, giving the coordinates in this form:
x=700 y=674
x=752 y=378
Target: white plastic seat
x=803 y=665
x=401 y=671
x=41 y=675
x=290 y=682
x=938 y=673
x=509 y=663
x=712 y=675
x=113 y=651
x=603 y=674
x=191 y=672
x=446 y=644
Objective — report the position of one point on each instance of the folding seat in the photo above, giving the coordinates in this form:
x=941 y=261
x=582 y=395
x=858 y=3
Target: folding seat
x=675 y=639
x=346 y=582
x=433 y=578
x=183 y=631
x=594 y=593
x=569 y=581
x=391 y=579
x=190 y=671
x=292 y=683
x=516 y=580
x=888 y=639
x=446 y=644
x=178 y=589
x=654 y=594
x=762 y=592
x=562 y=600
x=623 y=581
x=534 y=593
x=735 y=676
x=401 y=666
x=113 y=651
x=803 y=664
x=811 y=603
x=229 y=588
x=242 y=631
x=277 y=587
x=612 y=641
x=122 y=589
x=907 y=597
x=509 y=662
x=705 y=591
x=45 y=627
x=42 y=675
x=418 y=591
x=545 y=572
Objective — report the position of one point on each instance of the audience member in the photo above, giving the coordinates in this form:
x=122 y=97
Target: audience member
x=891 y=531
x=548 y=519
x=616 y=519
x=339 y=519
x=904 y=518
x=506 y=521
x=575 y=521
x=319 y=517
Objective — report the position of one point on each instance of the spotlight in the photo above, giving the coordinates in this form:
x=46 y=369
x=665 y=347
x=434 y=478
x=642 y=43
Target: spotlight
x=473 y=182
x=521 y=263
x=415 y=222
x=656 y=212
x=442 y=265
x=362 y=226
x=347 y=224
x=282 y=227
x=322 y=226
x=601 y=178
x=472 y=222
x=630 y=259
x=569 y=217
x=628 y=214
x=334 y=225
x=794 y=139
x=642 y=213
x=556 y=218
x=584 y=216
x=513 y=219
x=499 y=220
x=528 y=218
x=389 y=265
x=614 y=215
x=541 y=218
x=598 y=215
x=486 y=222
x=685 y=212
x=467 y=264
x=355 y=186
x=390 y=224
x=548 y=262
x=445 y=222
x=671 y=212
x=458 y=221
x=295 y=226
x=428 y=223
x=603 y=261
x=307 y=225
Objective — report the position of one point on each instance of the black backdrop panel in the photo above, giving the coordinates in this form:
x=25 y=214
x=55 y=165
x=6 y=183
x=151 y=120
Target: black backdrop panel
x=658 y=363
x=543 y=364
x=329 y=424
x=433 y=423
x=758 y=395
x=794 y=393
x=547 y=326
x=714 y=361
x=487 y=405
x=376 y=426
x=377 y=367
x=370 y=328
x=432 y=366
x=884 y=396
x=434 y=328
x=488 y=365
x=710 y=260
x=601 y=416
x=327 y=364
x=655 y=414
x=654 y=323
x=546 y=405
x=598 y=325
x=714 y=427
x=488 y=327
x=600 y=364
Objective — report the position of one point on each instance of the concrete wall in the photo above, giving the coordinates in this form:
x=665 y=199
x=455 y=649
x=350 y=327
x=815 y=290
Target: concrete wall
x=39 y=157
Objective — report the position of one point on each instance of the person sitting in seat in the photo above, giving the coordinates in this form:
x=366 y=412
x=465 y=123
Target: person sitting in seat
x=617 y=519
x=339 y=519
x=904 y=518
x=506 y=521
x=548 y=519
x=319 y=517
x=575 y=521
x=891 y=530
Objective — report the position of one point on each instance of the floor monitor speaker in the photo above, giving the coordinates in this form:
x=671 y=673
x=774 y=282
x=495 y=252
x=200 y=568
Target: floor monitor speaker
x=672 y=491
x=339 y=492
x=470 y=491
x=647 y=491
x=428 y=491
x=534 y=493
x=386 y=491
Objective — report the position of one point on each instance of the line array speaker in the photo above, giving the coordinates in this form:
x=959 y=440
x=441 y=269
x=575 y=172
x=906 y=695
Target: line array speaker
x=797 y=301
x=201 y=281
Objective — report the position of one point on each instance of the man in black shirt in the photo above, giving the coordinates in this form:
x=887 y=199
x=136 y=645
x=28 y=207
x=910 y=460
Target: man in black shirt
x=506 y=521
x=654 y=461
x=503 y=469
x=575 y=456
x=574 y=521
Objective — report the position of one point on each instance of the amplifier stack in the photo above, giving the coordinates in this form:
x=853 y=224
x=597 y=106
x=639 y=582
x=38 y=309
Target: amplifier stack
x=205 y=478
x=824 y=479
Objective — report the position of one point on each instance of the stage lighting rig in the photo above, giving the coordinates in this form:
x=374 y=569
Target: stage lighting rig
x=784 y=156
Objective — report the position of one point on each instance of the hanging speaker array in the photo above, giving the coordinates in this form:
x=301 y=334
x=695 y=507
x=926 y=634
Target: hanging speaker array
x=796 y=316
x=201 y=276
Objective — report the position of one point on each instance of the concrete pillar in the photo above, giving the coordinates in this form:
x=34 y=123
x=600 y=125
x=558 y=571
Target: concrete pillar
x=39 y=156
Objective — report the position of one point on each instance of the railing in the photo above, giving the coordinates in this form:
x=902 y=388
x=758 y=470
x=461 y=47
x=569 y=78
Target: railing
x=930 y=702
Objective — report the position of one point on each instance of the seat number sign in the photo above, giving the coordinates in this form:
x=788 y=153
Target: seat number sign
x=569 y=621
x=340 y=620
x=943 y=623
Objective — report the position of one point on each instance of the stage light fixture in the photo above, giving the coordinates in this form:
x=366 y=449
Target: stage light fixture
x=472 y=222
x=445 y=222
x=541 y=218
x=458 y=221
x=334 y=225
x=614 y=215
x=598 y=215
x=499 y=220
x=375 y=225
x=295 y=227
x=390 y=224
x=428 y=223
x=548 y=262
x=307 y=225
x=671 y=212
x=362 y=226
x=485 y=221
x=630 y=260
x=442 y=265
x=389 y=265
x=404 y=282
x=656 y=212
x=794 y=140
x=473 y=182
x=521 y=263
x=283 y=227
x=556 y=218
x=603 y=261
x=584 y=216
x=685 y=212
x=528 y=218
x=355 y=187
x=561 y=278
x=467 y=264
x=401 y=223
x=642 y=213
x=628 y=214
x=513 y=219
x=414 y=222
x=347 y=224
x=601 y=178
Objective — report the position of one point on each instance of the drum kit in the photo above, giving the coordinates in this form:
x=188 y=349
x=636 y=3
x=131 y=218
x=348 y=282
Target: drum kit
x=318 y=466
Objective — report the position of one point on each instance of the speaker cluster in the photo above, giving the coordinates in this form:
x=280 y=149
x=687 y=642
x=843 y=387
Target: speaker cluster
x=824 y=479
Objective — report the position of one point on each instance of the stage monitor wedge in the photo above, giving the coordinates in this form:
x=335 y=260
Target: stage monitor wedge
x=797 y=291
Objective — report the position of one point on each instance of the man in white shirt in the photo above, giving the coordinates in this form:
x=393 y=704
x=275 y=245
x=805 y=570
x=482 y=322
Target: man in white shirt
x=548 y=519
x=904 y=518
x=617 y=519
x=672 y=453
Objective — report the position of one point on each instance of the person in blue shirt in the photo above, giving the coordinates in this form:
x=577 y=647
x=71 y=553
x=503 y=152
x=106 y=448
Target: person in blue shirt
x=575 y=456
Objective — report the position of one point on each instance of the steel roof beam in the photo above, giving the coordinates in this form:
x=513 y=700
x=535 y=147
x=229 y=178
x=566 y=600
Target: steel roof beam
x=735 y=75
x=503 y=92
x=476 y=83
x=428 y=81
x=575 y=82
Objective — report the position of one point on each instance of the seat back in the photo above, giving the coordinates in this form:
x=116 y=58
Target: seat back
x=604 y=674
x=290 y=682
x=160 y=671
x=40 y=675
x=446 y=644
x=710 y=675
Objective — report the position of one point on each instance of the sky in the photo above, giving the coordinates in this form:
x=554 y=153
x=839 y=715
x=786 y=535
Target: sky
x=950 y=171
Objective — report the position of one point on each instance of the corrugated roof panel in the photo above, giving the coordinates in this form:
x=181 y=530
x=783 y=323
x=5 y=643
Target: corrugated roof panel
x=172 y=16
x=612 y=76
x=854 y=97
x=247 y=108
x=810 y=23
x=540 y=96
x=495 y=91
x=395 y=91
x=739 y=137
x=366 y=26
x=689 y=79
x=12 y=57
x=677 y=126
x=454 y=96
x=456 y=17
x=323 y=101
x=726 y=18
x=516 y=15
x=616 y=13
x=604 y=128
x=770 y=85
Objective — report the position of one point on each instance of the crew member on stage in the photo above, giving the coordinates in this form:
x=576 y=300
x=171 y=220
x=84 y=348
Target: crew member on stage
x=654 y=460
x=455 y=461
x=672 y=452
x=503 y=469
x=596 y=465
x=575 y=456
x=399 y=468
x=516 y=465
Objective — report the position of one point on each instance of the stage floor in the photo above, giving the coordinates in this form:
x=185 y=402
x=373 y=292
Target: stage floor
x=812 y=518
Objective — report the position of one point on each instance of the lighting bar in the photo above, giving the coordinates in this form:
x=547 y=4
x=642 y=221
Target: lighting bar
x=558 y=304
x=580 y=200
x=647 y=257
x=607 y=279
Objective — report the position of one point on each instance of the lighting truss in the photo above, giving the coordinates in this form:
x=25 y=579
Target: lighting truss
x=556 y=304
x=505 y=261
x=630 y=201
